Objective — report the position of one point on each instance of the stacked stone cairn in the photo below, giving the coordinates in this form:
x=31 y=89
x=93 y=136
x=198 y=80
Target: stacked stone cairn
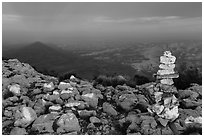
x=166 y=104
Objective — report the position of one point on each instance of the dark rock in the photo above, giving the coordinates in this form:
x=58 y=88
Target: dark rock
x=127 y=101
x=187 y=103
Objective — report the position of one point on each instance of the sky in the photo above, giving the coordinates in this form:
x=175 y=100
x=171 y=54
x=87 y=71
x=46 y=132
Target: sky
x=60 y=22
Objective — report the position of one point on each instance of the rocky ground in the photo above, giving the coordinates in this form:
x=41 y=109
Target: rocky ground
x=37 y=104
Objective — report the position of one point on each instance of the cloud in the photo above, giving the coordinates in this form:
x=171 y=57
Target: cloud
x=142 y=20
x=11 y=18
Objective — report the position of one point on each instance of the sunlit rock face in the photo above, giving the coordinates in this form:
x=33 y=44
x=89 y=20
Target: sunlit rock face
x=166 y=104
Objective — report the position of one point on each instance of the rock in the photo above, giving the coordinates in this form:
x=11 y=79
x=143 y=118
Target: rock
x=127 y=101
x=55 y=108
x=44 y=123
x=18 y=131
x=13 y=99
x=75 y=104
x=191 y=119
x=55 y=92
x=86 y=113
x=91 y=99
x=167 y=81
x=109 y=109
x=94 y=120
x=163 y=122
x=15 y=89
x=64 y=86
x=25 y=117
x=68 y=123
x=188 y=104
x=36 y=91
x=49 y=86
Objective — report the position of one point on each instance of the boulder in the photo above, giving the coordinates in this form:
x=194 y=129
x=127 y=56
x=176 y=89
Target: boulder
x=25 y=117
x=15 y=89
x=68 y=123
x=44 y=123
x=91 y=99
x=127 y=101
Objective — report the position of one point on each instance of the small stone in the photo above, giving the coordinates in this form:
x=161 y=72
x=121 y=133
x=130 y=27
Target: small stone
x=55 y=92
x=86 y=113
x=55 y=108
x=36 y=91
x=94 y=120
x=49 y=86
x=64 y=86
x=167 y=60
x=13 y=99
x=108 y=108
x=73 y=104
x=167 y=66
x=15 y=89
x=167 y=81
x=163 y=122
x=66 y=92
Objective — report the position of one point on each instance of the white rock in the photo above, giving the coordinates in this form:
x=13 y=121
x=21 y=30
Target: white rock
x=191 y=119
x=158 y=96
x=64 y=85
x=171 y=114
x=158 y=108
x=168 y=102
x=167 y=66
x=89 y=95
x=167 y=81
x=49 y=85
x=167 y=60
x=165 y=72
x=55 y=92
x=15 y=89
x=72 y=104
x=55 y=108
x=72 y=77
x=66 y=91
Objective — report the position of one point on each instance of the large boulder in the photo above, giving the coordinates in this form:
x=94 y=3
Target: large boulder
x=68 y=123
x=44 y=123
x=24 y=117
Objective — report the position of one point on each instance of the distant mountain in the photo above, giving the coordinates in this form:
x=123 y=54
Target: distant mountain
x=53 y=59
x=40 y=55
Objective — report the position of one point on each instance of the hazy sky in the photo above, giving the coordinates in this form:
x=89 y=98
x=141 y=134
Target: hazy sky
x=53 y=22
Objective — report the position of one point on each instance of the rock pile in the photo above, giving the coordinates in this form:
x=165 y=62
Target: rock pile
x=166 y=104
x=37 y=104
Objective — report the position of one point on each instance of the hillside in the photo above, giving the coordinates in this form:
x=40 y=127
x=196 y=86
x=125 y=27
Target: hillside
x=38 y=104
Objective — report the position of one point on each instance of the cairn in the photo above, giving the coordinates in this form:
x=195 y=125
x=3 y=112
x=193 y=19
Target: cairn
x=166 y=104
